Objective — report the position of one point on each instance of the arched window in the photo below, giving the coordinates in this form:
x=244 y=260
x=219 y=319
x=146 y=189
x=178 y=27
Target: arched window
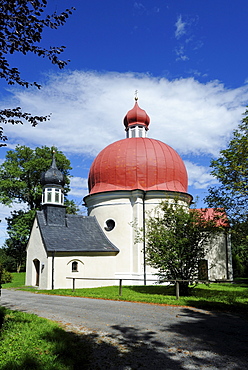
x=74 y=266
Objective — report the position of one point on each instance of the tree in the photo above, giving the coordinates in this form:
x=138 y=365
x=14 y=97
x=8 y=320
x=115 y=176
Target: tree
x=231 y=169
x=19 y=227
x=176 y=242
x=22 y=23
x=20 y=174
x=7 y=262
x=5 y=276
x=20 y=182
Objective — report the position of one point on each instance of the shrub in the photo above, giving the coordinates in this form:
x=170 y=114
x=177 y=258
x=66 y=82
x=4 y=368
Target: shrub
x=6 y=277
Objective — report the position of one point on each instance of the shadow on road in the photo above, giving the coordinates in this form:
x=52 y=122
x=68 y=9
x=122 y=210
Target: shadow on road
x=198 y=340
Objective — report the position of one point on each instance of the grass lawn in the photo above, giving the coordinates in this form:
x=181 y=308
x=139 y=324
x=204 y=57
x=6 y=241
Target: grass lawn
x=18 y=280
x=30 y=342
x=216 y=296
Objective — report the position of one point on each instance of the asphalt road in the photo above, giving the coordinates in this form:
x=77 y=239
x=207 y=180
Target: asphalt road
x=144 y=336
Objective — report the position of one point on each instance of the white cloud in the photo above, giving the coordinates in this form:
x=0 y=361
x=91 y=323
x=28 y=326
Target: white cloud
x=79 y=187
x=199 y=176
x=180 y=27
x=188 y=40
x=88 y=110
x=139 y=6
x=156 y=9
x=4 y=211
x=180 y=53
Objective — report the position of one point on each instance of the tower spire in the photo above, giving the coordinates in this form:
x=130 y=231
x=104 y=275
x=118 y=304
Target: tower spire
x=136 y=98
x=54 y=164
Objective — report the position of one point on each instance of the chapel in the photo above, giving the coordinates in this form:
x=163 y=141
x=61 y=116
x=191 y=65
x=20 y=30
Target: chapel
x=127 y=180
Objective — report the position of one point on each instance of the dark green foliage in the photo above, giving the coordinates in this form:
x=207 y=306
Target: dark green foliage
x=18 y=280
x=22 y=23
x=21 y=171
x=20 y=182
x=6 y=277
x=231 y=169
x=30 y=342
x=71 y=207
x=19 y=228
x=177 y=241
x=239 y=268
x=6 y=261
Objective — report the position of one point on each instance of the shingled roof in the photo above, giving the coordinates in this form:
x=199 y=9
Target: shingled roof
x=78 y=234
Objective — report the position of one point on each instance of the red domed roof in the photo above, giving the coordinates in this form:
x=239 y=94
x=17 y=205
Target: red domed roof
x=138 y=163
x=136 y=116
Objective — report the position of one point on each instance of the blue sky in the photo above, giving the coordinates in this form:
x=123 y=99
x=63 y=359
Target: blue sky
x=186 y=58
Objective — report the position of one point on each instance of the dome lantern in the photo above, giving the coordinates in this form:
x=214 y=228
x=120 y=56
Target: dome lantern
x=136 y=121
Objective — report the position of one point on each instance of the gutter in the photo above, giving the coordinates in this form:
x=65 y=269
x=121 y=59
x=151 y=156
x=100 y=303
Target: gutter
x=144 y=235
x=227 y=255
x=53 y=255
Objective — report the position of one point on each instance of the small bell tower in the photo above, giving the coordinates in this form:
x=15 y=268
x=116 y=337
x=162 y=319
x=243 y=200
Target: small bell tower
x=53 y=185
x=53 y=182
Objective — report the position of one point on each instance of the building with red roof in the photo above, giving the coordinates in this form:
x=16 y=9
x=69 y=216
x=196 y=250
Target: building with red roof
x=131 y=177
x=127 y=179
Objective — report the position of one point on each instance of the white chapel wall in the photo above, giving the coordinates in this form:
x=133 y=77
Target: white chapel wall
x=36 y=251
x=89 y=266
x=126 y=208
x=219 y=257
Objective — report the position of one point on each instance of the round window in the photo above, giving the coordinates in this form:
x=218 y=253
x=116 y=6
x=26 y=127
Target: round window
x=110 y=224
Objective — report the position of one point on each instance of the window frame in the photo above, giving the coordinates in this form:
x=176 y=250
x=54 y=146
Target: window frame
x=74 y=266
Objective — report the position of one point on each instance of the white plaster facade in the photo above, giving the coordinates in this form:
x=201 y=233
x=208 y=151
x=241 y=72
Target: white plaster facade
x=219 y=257
x=52 y=270
x=120 y=213
x=125 y=208
x=36 y=275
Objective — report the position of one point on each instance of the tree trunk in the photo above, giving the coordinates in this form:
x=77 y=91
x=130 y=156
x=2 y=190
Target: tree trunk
x=183 y=288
